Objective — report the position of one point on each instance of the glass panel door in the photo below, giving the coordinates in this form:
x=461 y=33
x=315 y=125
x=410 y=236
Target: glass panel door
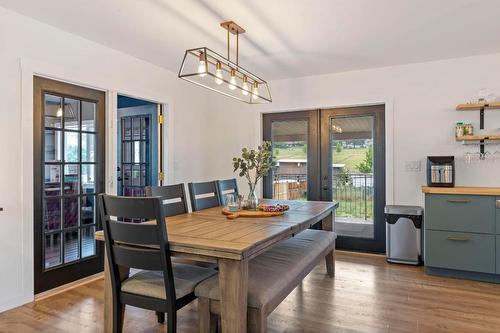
x=353 y=174
x=138 y=141
x=294 y=140
x=69 y=149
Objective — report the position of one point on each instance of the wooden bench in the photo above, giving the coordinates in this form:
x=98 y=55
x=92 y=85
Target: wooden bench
x=272 y=276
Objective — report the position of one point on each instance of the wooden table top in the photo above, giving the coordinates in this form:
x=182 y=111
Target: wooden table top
x=462 y=190
x=209 y=233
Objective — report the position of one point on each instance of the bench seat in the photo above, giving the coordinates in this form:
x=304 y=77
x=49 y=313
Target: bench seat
x=273 y=274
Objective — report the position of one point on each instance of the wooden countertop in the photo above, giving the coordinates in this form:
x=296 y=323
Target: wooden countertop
x=462 y=190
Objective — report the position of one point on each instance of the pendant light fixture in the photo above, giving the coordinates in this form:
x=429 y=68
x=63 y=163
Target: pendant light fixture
x=211 y=70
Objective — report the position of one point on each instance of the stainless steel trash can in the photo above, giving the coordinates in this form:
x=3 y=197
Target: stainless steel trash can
x=404 y=234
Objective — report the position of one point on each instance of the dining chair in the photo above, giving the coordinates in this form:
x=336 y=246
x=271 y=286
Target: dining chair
x=226 y=186
x=159 y=286
x=203 y=195
x=173 y=197
x=174 y=203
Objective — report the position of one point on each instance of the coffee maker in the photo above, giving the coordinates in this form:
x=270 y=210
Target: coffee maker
x=441 y=171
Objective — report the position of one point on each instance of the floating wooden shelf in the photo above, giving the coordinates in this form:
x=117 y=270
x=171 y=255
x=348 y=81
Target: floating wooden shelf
x=479 y=137
x=478 y=106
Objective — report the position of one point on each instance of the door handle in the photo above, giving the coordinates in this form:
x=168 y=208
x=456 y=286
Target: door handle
x=498 y=203
x=460 y=239
x=1 y=209
x=458 y=201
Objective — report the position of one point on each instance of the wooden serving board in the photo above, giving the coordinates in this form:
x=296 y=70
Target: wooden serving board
x=249 y=213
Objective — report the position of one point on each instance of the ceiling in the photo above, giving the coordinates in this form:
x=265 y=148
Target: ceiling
x=284 y=38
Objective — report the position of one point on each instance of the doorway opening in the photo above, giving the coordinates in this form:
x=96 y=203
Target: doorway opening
x=140 y=145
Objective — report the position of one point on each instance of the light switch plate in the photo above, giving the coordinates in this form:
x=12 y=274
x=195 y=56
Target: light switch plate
x=413 y=166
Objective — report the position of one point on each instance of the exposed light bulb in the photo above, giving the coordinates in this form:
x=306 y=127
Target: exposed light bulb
x=59 y=113
x=255 y=91
x=245 y=86
x=218 y=73
x=232 y=80
x=202 y=68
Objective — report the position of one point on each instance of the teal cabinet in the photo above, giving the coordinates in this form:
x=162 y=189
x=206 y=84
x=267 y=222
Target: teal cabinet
x=465 y=213
x=461 y=251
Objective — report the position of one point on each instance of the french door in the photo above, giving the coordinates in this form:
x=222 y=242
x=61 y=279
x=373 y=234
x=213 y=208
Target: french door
x=333 y=155
x=68 y=174
x=135 y=156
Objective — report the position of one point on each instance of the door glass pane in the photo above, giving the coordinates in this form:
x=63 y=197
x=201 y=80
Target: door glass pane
x=52 y=180
x=52 y=248
x=52 y=146
x=88 y=178
x=352 y=170
x=70 y=206
x=127 y=152
x=53 y=111
x=88 y=116
x=137 y=152
x=88 y=147
x=71 y=114
x=289 y=140
x=88 y=210
x=136 y=175
x=71 y=246
x=127 y=128
x=88 y=242
x=71 y=179
x=71 y=145
x=52 y=214
x=136 y=128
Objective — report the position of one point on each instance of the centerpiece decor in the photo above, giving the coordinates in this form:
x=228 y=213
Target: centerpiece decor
x=253 y=165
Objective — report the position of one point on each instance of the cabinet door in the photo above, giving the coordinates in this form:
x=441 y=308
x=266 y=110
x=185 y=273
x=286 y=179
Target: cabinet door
x=466 y=213
x=498 y=214
x=460 y=250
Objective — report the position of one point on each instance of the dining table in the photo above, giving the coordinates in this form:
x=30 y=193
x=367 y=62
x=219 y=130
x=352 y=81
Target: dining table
x=209 y=236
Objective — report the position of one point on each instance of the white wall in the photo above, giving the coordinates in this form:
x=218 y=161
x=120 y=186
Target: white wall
x=28 y=46
x=421 y=100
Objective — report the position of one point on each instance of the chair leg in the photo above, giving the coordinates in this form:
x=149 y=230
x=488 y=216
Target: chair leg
x=161 y=317
x=172 y=321
x=118 y=315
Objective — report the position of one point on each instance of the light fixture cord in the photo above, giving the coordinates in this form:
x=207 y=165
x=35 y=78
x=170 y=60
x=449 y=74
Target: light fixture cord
x=228 y=52
x=237 y=44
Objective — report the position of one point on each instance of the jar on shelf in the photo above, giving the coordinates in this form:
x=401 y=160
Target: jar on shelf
x=459 y=130
x=468 y=129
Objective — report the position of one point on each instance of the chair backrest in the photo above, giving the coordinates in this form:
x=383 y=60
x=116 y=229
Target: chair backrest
x=136 y=245
x=203 y=195
x=225 y=187
x=173 y=198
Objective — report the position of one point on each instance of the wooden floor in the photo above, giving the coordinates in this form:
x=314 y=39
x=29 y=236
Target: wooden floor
x=367 y=295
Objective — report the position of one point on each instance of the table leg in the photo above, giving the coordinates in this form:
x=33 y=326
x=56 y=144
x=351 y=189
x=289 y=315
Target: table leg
x=233 y=285
x=108 y=293
x=330 y=257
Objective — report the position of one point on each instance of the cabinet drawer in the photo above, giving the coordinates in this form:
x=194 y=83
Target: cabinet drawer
x=460 y=250
x=468 y=213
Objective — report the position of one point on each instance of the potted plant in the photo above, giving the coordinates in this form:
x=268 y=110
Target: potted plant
x=253 y=165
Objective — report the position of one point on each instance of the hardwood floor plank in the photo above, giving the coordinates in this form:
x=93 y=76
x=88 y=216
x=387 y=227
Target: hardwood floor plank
x=367 y=295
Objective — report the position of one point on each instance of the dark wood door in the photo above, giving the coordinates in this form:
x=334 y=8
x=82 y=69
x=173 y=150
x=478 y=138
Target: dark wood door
x=333 y=154
x=69 y=141
x=137 y=151
x=353 y=174
x=295 y=140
